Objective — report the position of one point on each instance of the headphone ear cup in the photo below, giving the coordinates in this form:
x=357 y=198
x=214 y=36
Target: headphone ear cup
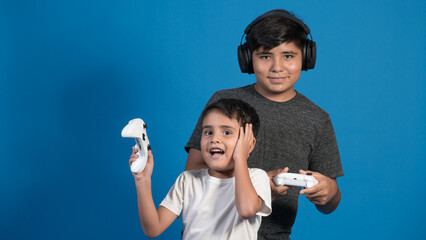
x=310 y=55
x=244 y=59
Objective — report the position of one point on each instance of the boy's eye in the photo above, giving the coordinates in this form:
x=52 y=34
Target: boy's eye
x=208 y=133
x=288 y=56
x=227 y=133
x=264 y=57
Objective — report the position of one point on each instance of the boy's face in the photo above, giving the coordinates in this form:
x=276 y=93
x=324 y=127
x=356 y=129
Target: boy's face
x=218 y=140
x=277 y=70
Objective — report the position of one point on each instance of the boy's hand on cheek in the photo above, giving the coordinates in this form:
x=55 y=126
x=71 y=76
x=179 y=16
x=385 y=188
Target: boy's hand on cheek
x=244 y=143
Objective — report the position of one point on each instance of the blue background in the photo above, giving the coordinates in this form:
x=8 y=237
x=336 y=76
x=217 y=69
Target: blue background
x=73 y=72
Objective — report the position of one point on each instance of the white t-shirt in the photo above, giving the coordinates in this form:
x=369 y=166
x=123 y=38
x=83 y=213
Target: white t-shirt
x=208 y=206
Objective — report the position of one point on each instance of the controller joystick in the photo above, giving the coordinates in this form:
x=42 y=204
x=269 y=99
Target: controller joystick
x=136 y=128
x=295 y=180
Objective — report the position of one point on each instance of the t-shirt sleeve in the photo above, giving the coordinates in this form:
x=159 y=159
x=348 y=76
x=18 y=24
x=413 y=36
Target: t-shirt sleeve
x=195 y=139
x=174 y=198
x=325 y=156
x=260 y=181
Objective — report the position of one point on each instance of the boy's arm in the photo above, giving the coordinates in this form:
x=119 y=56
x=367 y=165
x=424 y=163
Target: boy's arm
x=195 y=160
x=153 y=221
x=247 y=200
x=325 y=195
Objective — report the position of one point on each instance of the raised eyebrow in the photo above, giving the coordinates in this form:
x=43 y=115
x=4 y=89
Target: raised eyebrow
x=206 y=127
x=221 y=126
x=227 y=127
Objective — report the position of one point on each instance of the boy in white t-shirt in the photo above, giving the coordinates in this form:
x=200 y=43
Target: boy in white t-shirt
x=225 y=201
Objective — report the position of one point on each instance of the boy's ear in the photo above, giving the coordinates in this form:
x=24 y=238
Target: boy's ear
x=252 y=145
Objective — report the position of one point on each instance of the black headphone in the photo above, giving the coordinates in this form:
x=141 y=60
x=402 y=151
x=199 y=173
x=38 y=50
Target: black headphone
x=309 y=50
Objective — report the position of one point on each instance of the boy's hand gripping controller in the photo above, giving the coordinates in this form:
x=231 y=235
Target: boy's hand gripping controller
x=295 y=180
x=136 y=128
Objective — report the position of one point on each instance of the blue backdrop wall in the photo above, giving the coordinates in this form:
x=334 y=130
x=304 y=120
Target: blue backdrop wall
x=73 y=72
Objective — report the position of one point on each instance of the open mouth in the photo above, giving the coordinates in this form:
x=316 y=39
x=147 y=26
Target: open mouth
x=216 y=152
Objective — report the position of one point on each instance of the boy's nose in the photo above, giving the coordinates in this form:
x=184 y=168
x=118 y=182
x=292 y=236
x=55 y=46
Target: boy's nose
x=277 y=65
x=215 y=139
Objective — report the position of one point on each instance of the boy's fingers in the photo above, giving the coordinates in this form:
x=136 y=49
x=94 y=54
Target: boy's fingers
x=248 y=131
x=272 y=173
x=134 y=149
x=279 y=190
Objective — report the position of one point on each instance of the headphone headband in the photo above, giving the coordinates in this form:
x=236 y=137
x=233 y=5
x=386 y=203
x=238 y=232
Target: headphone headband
x=279 y=13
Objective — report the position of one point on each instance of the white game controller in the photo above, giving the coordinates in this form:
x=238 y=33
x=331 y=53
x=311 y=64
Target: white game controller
x=136 y=128
x=295 y=180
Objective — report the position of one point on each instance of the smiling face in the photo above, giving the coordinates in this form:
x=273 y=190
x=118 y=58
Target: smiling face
x=277 y=70
x=218 y=141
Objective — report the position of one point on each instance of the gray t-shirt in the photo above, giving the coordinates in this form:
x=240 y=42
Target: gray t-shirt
x=296 y=134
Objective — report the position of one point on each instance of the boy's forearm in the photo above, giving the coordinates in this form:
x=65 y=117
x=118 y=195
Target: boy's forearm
x=148 y=214
x=195 y=160
x=331 y=205
x=247 y=200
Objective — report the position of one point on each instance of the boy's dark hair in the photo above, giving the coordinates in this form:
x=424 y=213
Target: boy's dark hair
x=235 y=109
x=275 y=30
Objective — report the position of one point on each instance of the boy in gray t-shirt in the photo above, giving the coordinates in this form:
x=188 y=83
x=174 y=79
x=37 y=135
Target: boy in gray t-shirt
x=295 y=134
